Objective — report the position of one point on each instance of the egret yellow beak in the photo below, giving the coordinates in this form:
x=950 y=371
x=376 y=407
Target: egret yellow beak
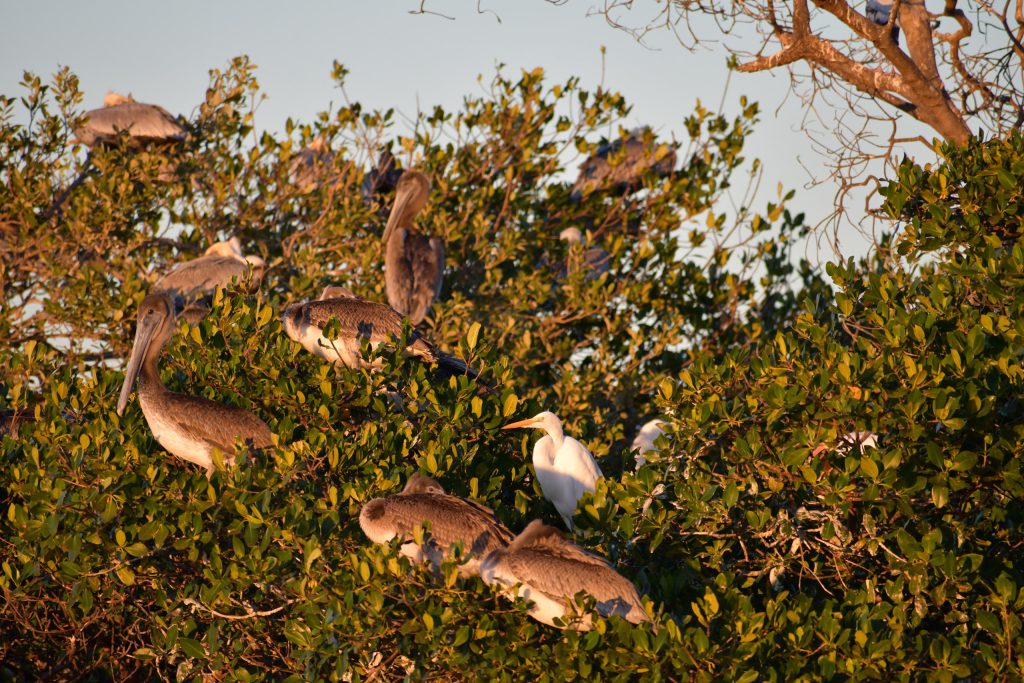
x=529 y=422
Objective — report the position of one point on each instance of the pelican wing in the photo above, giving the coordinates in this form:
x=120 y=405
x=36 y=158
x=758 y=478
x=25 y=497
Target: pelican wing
x=451 y=519
x=202 y=275
x=142 y=122
x=361 y=319
x=215 y=424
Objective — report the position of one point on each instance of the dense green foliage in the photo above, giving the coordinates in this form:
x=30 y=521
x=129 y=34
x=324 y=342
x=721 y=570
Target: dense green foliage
x=762 y=554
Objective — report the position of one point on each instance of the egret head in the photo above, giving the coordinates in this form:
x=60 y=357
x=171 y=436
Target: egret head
x=546 y=420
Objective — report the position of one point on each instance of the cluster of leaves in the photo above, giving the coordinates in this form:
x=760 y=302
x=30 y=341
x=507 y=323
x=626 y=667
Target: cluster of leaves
x=120 y=560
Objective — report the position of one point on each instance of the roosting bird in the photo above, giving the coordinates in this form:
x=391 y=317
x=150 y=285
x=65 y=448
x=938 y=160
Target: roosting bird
x=142 y=123
x=879 y=12
x=542 y=566
x=413 y=262
x=621 y=164
x=645 y=439
x=382 y=179
x=564 y=466
x=451 y=520
x=312 y=167
x=594 y=259
x=358 y=320
x=193 y=281
x=190 y=427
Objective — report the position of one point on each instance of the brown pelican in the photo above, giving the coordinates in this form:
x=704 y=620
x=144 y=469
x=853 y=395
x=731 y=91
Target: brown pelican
x=311 y=167
x=194 y=280
x=413 y=263
x=143 y=123
x=451 y=520
x=564 y=466
x=189 y=427
x=595 y=259
x=358 y=319
x=645 y=440
x=621 y=164
x=542 y=566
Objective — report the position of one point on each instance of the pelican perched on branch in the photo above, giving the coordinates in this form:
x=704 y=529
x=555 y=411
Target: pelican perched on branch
x=381 y=179
x=451 y=520
x=542 y=566
x=413 y=262
x=190 y=427
x=620 y=165
x=312 y=166
x=195 y=280
x=142 y=123
x=564 y=466
x=358 y=320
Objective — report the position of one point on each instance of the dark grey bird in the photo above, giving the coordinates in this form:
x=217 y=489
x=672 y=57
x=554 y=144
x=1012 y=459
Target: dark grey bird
x=192 y=282
x=451 y=521
x=142 y=123
x=879 y=12
x=544 y=567
x=621 y=164
x=312 y=167
x=382 y=179
x=190 y=427
x=413 y=262
x=358 y=320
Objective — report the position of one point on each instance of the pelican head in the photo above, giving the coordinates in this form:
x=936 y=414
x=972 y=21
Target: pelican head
x=112 y=99
x=336 y=292
x=410 y=198
x=571 y=235
x=231 y=247
x=546 y=420
x=155 y=325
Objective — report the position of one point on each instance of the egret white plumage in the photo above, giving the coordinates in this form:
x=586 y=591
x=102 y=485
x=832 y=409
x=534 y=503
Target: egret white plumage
x=413 y=262
x=645 y=439
x=142 y=123
x=452 y=520
x=564 y=466
x=542 y=566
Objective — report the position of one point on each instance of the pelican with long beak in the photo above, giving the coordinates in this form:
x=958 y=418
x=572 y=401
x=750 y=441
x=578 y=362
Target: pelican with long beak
x=564 y=466
x=194 y=281
x=451 y=521
x=358 y=320
x=542 y=566
x=190 y=427
x=413 y=262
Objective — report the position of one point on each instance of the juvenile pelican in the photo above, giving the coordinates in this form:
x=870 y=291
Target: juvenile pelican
x=565 y=468
x=358 y=319
x=451 y=520
x=644 y=441
x=621 y=165
x=193 y=280
x=189 y=427
x=381 y=179
x=311 y=167
x=413 y=263
x=143 y=123
x=542 y=566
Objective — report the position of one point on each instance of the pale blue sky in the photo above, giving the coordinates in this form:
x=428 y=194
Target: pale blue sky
x=161 y=52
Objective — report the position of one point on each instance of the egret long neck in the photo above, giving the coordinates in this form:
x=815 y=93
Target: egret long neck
x=555 y=432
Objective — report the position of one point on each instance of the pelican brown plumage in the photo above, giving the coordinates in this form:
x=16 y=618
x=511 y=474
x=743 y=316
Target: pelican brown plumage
x=358 y=320
x=452 y=521
x=190 y=427
x=381 y=179
x=621 y=164
x=142 y=123
x=544 y=567
x=312 y=166
x=413 y=262
x=194 y=280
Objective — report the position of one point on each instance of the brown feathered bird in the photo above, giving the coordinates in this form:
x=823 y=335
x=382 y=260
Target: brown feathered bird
x=450 y=520
x=142 y=123
x=413 y=262
x=621 y=164
x=542 y=566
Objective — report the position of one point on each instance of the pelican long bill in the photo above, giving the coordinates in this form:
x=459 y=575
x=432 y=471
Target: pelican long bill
x=144 y=334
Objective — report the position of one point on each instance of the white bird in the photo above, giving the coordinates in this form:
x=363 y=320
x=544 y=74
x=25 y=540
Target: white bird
x=542 y=566
x=565 y=468
x=645 y=439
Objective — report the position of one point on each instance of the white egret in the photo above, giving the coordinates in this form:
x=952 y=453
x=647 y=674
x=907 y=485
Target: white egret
x=564 y=466
x=645 y=439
